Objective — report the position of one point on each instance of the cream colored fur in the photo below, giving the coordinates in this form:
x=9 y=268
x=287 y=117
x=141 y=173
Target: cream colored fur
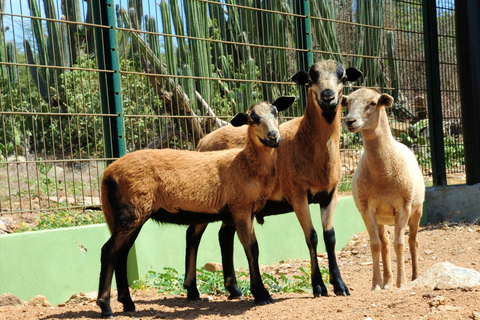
x=387 y=186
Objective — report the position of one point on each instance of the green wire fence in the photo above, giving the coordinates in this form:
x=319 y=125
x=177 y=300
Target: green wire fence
x=84 y=82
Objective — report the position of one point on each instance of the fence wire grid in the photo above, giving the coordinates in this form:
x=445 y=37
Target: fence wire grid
x=186 y=67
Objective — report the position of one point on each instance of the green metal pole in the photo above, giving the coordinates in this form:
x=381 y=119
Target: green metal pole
x=110 y=82
x=434 y=99
x=303 y=40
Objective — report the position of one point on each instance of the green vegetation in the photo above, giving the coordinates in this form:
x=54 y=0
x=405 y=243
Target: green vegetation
x=64 y=219
x=211 y=283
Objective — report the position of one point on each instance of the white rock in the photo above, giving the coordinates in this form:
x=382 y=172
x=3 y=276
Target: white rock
x=446 y=275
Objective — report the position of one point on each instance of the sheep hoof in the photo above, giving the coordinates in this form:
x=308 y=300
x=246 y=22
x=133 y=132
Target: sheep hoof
x=235 y=297
x=264 y=302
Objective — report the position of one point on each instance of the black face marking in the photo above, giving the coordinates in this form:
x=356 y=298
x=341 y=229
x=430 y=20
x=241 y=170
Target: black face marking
x=340 y=72
x=274 y=111
x=323 y=198
x=254 y=117
x=314 y=74
x=329 y=116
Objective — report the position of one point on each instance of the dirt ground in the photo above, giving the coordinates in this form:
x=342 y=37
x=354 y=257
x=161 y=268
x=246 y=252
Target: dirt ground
x=458 y=244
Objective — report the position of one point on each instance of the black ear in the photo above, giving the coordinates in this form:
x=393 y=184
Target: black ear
x=284 y=102
x=353 y=74
x=239 y=120
x=344 y=101
x=385 y=100
x=301 y=77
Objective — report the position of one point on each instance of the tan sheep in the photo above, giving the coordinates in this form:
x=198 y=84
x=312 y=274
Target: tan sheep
x=189 y=187
x=388 y=185
x=308 y=171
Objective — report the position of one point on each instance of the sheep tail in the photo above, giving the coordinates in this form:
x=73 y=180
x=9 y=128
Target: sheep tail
x=109 y=199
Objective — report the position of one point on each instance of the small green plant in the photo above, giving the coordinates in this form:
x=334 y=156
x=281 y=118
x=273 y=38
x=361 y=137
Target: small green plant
x=64 y=219
x=211 y=283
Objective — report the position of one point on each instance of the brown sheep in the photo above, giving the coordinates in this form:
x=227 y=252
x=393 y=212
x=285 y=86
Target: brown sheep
x=388 y=186
x=308 y=171
x=189 y=187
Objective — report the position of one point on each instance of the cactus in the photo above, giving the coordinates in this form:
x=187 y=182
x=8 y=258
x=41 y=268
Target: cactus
x=324 y=30
x=54 y=47
x=40 y=40
x=3 y=69
x=12 y=58
x=58 y=48
x=392 y=65
x=168 y=41
x=370 y=12
x=71 y=12
x=66 y=47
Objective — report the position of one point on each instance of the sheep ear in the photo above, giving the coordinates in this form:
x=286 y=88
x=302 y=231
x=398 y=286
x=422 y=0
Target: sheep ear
x=344 y=101
x=284 y=102
x=301 y=77
x=239 y=120
x=385 y=100
x=353 y=74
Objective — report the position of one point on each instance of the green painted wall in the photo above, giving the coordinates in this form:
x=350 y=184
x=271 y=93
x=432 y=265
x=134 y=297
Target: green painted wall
x=59 y=263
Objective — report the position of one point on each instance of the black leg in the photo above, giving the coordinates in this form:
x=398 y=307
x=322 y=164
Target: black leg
x=114 y=258
x=336 y=280
x=121 y=274
x=194 y=235
x=108 y=261
x=226 y=236
x=319 y=288
x=246 y=235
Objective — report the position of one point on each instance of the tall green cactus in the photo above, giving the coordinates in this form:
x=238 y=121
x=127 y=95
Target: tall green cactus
x=168 y=41
x=369 y=39
x=40 y=41
x=324 y=30
x=56 y=46
x=3 y=69
x=12 y=58
x=71 y=12
x=392 y=65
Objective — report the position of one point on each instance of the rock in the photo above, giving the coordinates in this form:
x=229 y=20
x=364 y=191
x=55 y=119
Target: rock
x=39 y=301
x=8 y=299
x=56 y=173
x=436 y=301
x=446 y=275
x=14 y=158
x=82 y=298
x=213 y=267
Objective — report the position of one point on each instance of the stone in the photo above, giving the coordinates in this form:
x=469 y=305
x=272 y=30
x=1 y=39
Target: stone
x=56 y=173
x=436 y=301
x=82 y=298
x=213 y=267
x=8 y=299
x=39 y=301
x=446 y=275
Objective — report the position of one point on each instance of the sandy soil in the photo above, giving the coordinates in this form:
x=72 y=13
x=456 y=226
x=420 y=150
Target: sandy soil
x=458 y=244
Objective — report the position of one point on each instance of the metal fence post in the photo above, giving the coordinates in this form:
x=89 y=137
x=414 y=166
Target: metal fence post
x=434 y=99
x=467 y=17
x=303 y=40
x=110 y=82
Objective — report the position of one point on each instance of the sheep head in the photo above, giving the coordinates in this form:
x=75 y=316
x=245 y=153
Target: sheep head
x=327 y=79
x=364 y=108
x=264 y=120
